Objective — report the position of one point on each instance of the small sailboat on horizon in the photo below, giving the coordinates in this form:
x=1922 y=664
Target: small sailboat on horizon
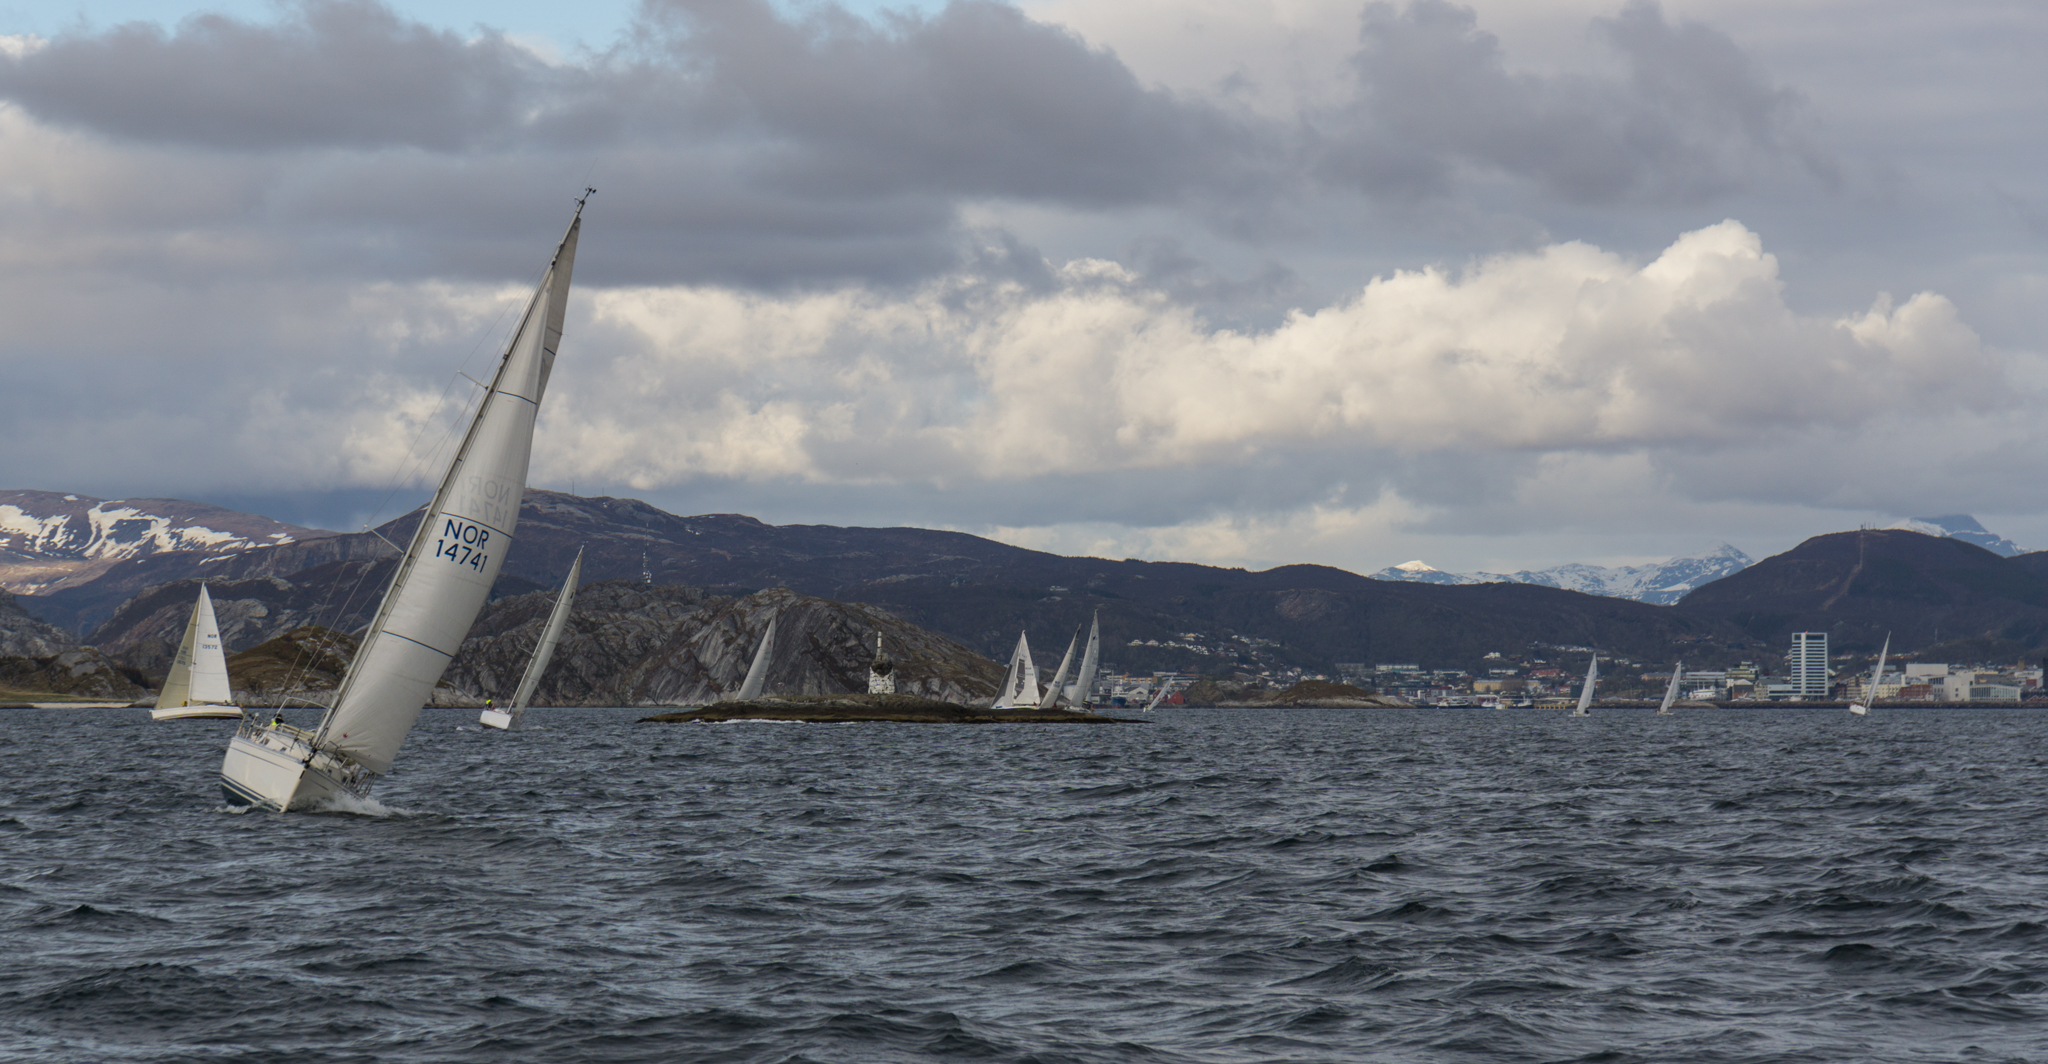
x=543 y=652
x=1020 y=683
x=1586 y=690
x=1671 y=690
x=1091 y=662
x=198 y=687
x=1057 y=689
x=1858 y=708
x=757 y=672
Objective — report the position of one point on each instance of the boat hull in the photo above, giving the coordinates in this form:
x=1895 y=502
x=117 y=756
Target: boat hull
x=199 y=712
x=496 y=718
x=275 y=768
x=1859 y=709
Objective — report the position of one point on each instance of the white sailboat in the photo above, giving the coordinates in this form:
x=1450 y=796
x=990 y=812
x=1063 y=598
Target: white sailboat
x=434 y=597
x=1671 y=691
x=1091 y=660
x=1158 y=696
x=1586 y=692
x=1057 y=689
x=198 y=684
x=1020 y=684
x=558 y=619
x=757 y=673
x=1876 y=674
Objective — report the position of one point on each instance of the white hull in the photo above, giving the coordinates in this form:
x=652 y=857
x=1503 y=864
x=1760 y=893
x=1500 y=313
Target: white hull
x=496 y=718
x=275 y=768
x=1859 y=709
x=200 y=712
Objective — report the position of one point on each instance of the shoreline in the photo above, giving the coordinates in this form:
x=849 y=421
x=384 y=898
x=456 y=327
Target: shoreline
x=872 y=709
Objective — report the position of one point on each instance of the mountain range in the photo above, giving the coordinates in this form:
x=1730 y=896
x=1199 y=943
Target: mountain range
x=1663 y=582
x=1933 y=592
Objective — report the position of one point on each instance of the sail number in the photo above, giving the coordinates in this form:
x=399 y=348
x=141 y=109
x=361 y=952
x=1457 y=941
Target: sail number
x=462 y=542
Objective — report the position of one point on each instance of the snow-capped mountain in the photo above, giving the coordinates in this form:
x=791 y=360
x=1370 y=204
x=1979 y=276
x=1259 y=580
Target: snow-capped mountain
x=1662 y=583
x=48 y=539
x=1960 y=526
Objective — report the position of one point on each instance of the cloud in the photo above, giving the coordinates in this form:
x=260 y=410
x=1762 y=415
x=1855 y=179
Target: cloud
x=1438 y=106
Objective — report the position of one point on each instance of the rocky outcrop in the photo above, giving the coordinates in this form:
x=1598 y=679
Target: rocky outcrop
x=301 y=666
x=22 y=636
x=81 y=672
x=634 y=645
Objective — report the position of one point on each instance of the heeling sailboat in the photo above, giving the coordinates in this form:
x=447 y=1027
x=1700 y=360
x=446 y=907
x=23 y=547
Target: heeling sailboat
x=1586 y=691
x=1020 y=684
x=543 y=652
x=1876 y=674
x=1091 y=660
x=1671 y=690
x=440 y=584
x=1057 y=689
x=198 y=684
x=1159 y=695
x=757 y=673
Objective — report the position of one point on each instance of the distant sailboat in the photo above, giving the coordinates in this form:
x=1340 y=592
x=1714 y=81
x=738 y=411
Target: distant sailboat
x=198 y=683
x=1671 y=691
x=435 y=594
x=1876 y=674
x=757 y=673
x=1091 y=659
x=1586 y=692
x=542 y=653
x=1020 y=684
x=1158 y=696
x=1057 y=689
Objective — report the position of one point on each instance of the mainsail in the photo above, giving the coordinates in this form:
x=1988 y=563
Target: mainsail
x=1671 y=692
x=1020 y=684
x=1058 y=688
x=1586 y=692
x=1084 y=681
x=440 y=585
x=757 y=673
x=543 y=652
x=1862 y=709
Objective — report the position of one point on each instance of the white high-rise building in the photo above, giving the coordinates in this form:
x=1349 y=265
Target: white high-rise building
x=1808 y=665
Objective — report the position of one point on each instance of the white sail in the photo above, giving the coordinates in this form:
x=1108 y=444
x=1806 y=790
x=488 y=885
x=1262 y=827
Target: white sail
x=440 y=585
x=1084 y=681
x=1586 y=692
x=757 y=673
x=1058 y=688
x=1158 y=696
x=1860 y=708
x=1020 y=684
x=1671 y=691
x=543 y=652
x=458 y=548
x=198 y=683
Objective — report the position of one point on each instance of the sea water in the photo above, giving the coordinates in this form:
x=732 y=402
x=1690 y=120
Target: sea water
x=1215 y=885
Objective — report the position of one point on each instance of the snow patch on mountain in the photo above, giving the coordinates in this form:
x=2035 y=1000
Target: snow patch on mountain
x=47 y=538
x=1661 y=583
x=1959 y=526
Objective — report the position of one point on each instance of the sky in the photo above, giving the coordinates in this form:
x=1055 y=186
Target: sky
x=1497 y=285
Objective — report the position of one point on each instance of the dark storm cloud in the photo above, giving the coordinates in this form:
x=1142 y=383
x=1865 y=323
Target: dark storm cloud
x=1693 y=120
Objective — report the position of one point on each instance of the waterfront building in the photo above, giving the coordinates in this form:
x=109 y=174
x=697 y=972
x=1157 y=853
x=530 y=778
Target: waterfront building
x=1807 y=665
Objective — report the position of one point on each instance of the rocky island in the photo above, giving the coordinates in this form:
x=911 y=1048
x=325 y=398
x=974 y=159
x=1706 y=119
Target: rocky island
x=865 y=708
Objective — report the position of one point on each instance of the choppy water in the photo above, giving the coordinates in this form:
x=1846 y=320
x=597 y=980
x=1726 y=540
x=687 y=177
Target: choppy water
x=1753 y=885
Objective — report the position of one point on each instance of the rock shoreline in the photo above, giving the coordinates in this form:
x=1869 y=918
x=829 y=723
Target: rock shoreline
x=862 y=708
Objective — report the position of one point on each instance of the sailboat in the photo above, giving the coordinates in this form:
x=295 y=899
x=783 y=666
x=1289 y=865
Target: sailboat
x=1159 y=695
x=1586 y=692
x=1671 y=691
x=435 y=594
x=1876 y=674
x=198 y=684
x=757 y=673
x=1057 y=689
x=1020 y=684
x=542 y=653
x=1091 y=660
